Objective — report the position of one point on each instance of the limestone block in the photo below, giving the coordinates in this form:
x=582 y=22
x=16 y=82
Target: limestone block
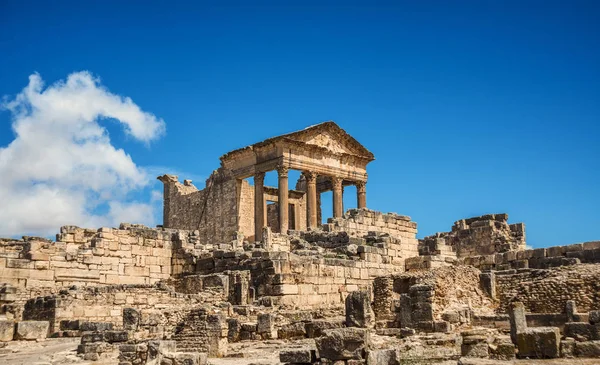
x=343 y=344
x=306 y=356
x=587 y=349
x=539 y=342
x=131 y=318
x=316 y=328
x=358 y=310
x=266 y=325
x=32 y=330
x=382 y=357
x=7 y=331
x=294 y=330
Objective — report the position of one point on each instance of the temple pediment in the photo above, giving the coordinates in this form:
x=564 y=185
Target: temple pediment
x=327 y=135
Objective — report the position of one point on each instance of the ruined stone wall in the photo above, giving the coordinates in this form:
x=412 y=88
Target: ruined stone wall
x=130 y=255
x=548 y=290
x=539 y=258
x=363 y=223
x=288 y=279
x=213 y=211
x=160 y=309
x=484 y=235
x=105 y=304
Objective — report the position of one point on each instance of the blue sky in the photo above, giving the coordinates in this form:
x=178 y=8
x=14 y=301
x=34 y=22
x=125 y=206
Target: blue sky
x=470 y=108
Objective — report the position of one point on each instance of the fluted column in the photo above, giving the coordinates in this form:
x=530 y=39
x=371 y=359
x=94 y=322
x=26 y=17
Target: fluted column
x=283 y=199
x=338 y=199
x=259 y=205
x=311 y=199
x=361 y=194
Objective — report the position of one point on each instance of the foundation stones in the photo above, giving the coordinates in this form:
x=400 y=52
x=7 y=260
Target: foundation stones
x=539 y=342
x=31 y=330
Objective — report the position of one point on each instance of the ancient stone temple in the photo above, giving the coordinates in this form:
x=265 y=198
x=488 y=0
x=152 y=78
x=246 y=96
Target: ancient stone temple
x=328 y=157
x=248 y=271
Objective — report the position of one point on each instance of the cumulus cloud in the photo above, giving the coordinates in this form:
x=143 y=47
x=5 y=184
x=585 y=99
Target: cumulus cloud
x=61 y=168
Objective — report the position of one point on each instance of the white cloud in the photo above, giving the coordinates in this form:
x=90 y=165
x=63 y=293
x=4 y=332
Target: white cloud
x=61 y=166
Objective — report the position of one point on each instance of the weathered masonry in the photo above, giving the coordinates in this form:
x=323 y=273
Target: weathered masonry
x=327 y=156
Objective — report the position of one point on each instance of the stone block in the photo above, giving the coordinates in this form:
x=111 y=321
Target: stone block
x=567 y=347
x=539 y=342
x=587 y=349
x=292 y=331
x=382 y=357
x=343 y=344
x=475 y=349
x=7 y=331
x=358 y=310
x=316 y=328
x=504 y=351
x=131 y=319
x=95 y=326
x=581 y=331
x=266 y=325
x=32 y=330
x=297 y=356
x=594 y=317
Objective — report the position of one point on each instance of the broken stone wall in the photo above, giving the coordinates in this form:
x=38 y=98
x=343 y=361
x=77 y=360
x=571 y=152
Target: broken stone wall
x=106 y=304
x=401 y=241
x=132 y=254
x=212 y=211
x=453 y=288
x=483 y=235
x=548 y=290
x=288 y=279
x=539 y=258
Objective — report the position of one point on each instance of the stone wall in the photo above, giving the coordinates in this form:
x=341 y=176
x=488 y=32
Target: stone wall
x=289 y=279
x=213 y=211
x=362 y=223
x=539 y=258
x=423 y=298
x=484 y=235
x=106 y=304
x=129 y=255
x=548 y=290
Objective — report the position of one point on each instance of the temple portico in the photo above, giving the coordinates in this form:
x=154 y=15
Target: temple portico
x=327 y=157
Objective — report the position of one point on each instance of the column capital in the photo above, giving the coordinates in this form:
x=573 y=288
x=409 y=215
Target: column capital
x=259 y=177
x=361 y=186
x=311 y=176
x=336 y=181
x=282 y=170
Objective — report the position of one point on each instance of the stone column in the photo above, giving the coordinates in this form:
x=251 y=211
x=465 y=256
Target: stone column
x=283 y=199
x=338 y=200
x=259 y=205
x=311 y=199
x=361 y=194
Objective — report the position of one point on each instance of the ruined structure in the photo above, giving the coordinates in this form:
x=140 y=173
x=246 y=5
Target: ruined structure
x=327 y=156
x=228 y=275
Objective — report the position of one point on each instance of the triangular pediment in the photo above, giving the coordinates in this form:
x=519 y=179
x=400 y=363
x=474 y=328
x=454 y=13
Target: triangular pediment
x=330 y=136
x=329 y=142
x=327 y=135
